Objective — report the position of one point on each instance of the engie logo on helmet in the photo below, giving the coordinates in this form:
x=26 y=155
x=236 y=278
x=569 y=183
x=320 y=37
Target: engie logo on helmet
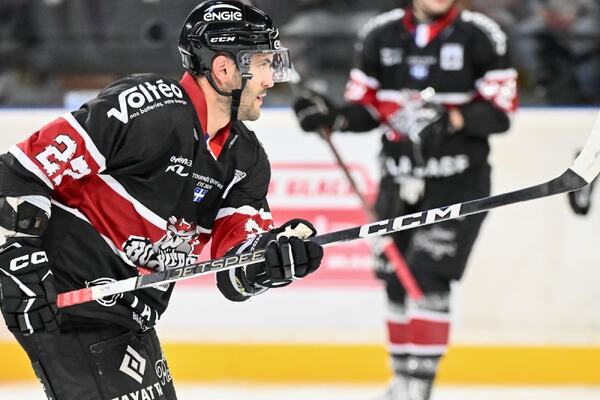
x=145 y=97
x=222 y=12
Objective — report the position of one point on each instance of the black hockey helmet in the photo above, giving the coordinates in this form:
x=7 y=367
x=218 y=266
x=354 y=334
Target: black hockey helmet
x=230 y=27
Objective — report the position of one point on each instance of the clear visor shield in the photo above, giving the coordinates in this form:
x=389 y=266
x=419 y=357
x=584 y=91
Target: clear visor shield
x=260 y=63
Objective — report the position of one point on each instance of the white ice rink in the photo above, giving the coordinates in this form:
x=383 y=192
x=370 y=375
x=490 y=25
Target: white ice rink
x=253 y=392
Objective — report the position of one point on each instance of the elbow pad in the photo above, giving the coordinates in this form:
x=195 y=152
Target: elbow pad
x=24 y=218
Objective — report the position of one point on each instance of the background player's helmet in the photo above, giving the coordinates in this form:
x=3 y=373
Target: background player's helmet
x=232 y=28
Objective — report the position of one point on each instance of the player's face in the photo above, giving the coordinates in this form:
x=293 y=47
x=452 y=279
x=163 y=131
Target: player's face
x=256 y=88
x=433 y=8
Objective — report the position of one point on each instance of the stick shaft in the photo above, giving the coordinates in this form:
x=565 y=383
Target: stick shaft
x=584 y=170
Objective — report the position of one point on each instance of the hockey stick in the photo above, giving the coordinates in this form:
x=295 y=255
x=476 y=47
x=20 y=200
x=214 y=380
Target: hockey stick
x=582 y=172
x=386 y=244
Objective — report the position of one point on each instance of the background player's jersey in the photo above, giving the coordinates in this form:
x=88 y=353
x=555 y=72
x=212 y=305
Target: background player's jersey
x=463 y=56
x=120 y=167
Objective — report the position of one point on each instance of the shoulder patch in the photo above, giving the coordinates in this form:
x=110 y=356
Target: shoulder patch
x=380 y=20
x=489 y=27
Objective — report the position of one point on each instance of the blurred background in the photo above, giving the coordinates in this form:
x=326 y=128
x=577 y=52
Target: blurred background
x=527 y=313
x=52 y=52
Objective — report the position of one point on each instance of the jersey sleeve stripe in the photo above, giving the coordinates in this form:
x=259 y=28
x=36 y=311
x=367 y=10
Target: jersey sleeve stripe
x=501 y=74
x=453 y=98
x=29 y=165
x=245 y=210
x=89 y=143
x=109 y=242
x=360 y=77
x=142 y=210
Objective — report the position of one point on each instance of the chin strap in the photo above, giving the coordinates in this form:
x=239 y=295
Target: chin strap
x=236 y=94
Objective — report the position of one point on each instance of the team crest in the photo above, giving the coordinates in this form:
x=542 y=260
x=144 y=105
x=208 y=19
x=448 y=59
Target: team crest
x=452 y=57
x=199 y=194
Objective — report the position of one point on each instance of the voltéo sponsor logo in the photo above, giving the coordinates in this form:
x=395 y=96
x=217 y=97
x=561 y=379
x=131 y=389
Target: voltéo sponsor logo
x=222 y=12
x=146 y=94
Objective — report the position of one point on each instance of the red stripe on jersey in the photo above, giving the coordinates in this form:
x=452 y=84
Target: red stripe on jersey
x=427 y=332
x=110 y=214
x=193 y=90
x=359 y=91
x=500 y=88
x=235 y=228
x=397 y=332
x=60 y=152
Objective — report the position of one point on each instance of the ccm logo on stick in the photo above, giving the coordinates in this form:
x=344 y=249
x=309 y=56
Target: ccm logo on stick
x=410 y=221
x=21 y=262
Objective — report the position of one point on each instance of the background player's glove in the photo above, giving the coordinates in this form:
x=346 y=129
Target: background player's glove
x=315 y=112
x=581 y=200
x=425 y=125
x=28 y=293
x=287 y=258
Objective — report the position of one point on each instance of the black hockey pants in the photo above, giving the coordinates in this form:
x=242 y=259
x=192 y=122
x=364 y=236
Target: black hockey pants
x=99 y=362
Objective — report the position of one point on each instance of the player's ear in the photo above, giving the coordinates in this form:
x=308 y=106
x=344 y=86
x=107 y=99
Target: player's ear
x=224 y=70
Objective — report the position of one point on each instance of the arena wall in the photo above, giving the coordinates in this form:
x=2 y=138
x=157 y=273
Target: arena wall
x=527 y=310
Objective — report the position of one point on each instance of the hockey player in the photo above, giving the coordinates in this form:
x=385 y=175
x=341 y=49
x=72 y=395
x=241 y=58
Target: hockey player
x=437 y=81
x=139 y=179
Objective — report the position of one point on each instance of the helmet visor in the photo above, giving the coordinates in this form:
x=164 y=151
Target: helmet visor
x=263 y=62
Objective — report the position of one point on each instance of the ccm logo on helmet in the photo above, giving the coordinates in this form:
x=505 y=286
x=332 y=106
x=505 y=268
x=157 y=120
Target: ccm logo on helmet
x=222 y=39
x=21 y=262
x=222 y=12
x=140 y=95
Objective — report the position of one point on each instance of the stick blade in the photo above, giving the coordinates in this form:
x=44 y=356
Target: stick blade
x=587 y=164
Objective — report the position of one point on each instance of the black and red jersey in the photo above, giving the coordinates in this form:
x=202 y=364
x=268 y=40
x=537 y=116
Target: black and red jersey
x=119 y=167
x=463 y=56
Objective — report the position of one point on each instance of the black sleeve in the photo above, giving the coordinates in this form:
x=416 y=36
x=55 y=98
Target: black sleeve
x=482 y=118
x=244 y=212
x=495 y=80
x=360 y=113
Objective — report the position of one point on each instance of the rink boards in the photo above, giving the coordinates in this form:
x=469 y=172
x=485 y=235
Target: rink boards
x=526 y=312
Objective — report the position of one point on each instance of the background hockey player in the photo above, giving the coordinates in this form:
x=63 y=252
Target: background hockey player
x=434 y=153
x=139 y=179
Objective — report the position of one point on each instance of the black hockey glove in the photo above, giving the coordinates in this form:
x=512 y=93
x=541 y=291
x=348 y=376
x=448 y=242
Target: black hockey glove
x=426 y=126
x=28 y=293
x=435 y=122
x=287 y=258
x=316 y=112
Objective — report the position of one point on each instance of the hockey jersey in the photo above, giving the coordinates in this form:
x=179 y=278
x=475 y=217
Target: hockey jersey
x=463 y=56
x=123 y=165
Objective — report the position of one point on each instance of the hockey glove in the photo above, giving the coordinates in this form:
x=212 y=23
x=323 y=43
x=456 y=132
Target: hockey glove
x=28 y=293
x=425 y=125
x=287 y=258
x=316 y=112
